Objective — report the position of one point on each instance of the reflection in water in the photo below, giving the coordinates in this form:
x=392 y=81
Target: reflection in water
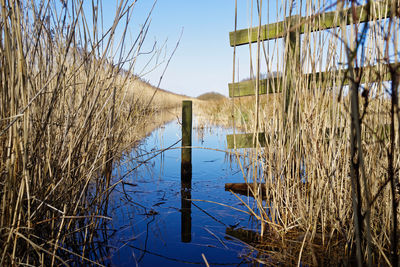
x=154 y=192
x=186 y=205
x=153 y=198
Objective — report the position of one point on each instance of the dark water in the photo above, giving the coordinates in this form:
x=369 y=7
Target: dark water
x=155 y=223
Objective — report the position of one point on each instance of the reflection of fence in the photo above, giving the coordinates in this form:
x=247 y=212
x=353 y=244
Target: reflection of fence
x=290 y=29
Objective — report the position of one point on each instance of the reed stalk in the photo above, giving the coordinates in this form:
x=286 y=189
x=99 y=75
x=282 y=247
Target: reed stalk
x=70 y=105
x=332 y=171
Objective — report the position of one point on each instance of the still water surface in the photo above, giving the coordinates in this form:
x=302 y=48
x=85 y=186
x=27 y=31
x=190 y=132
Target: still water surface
x=155 y=224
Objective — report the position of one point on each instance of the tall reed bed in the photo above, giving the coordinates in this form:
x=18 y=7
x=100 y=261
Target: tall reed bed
x=331 y=160
x=222 y=112
x=68 y=108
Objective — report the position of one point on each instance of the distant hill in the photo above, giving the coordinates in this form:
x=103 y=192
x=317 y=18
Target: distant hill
x=211 y=96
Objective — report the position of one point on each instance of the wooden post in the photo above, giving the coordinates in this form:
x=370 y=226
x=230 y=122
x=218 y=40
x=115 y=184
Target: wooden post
x=292 y=72
x=186 y=172
x=186 y=132
x=292 y=69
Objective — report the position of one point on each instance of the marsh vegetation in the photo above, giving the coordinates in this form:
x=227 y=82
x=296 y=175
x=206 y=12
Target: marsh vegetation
x=330 y=162
x=70 y=105
x=325 y=182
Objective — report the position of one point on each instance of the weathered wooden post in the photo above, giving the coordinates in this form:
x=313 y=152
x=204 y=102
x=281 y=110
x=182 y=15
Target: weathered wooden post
x=186 y=172
x=186 y=132
x=293 y=67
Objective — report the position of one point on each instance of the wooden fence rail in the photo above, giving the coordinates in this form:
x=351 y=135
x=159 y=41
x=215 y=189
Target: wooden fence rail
x=318 y=22
x=292 y=27
x=376 y=73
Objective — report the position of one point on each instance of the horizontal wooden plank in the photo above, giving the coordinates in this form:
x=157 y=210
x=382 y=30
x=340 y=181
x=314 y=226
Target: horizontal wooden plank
x=244 y=140
x=247 y=88
x=322 y=79
x=369 y=74
x=268 y=32
x=381 y=132
x=321 y=21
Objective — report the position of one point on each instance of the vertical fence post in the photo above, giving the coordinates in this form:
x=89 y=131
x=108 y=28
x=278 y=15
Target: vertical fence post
x=293 y=68
x=186 y=173
x=186 y=132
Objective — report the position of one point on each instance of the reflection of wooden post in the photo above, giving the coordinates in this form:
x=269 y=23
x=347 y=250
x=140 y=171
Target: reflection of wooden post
x=186 y=172
x=186 y=131
x=186 y=205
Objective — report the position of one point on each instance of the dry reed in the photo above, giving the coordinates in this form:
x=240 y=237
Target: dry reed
x=69 y=106
x=331 y=160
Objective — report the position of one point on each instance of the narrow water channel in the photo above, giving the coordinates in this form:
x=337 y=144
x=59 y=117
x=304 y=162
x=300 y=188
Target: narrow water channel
x=159 y=220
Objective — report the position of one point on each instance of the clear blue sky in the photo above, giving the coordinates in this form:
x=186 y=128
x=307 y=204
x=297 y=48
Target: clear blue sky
x=203 y=60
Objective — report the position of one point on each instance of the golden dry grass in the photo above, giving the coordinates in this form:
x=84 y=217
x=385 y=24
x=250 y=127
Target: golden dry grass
x=319 y=174
x=157 y=97
x=66 y=115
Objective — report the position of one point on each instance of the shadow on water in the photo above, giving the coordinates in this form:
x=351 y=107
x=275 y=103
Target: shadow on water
x=166 y=213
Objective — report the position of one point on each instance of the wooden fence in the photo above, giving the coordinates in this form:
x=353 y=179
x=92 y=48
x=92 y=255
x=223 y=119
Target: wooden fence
x=291 y=29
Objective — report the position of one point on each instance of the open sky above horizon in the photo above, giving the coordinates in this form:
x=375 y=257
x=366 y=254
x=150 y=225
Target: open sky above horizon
x=203 y=61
